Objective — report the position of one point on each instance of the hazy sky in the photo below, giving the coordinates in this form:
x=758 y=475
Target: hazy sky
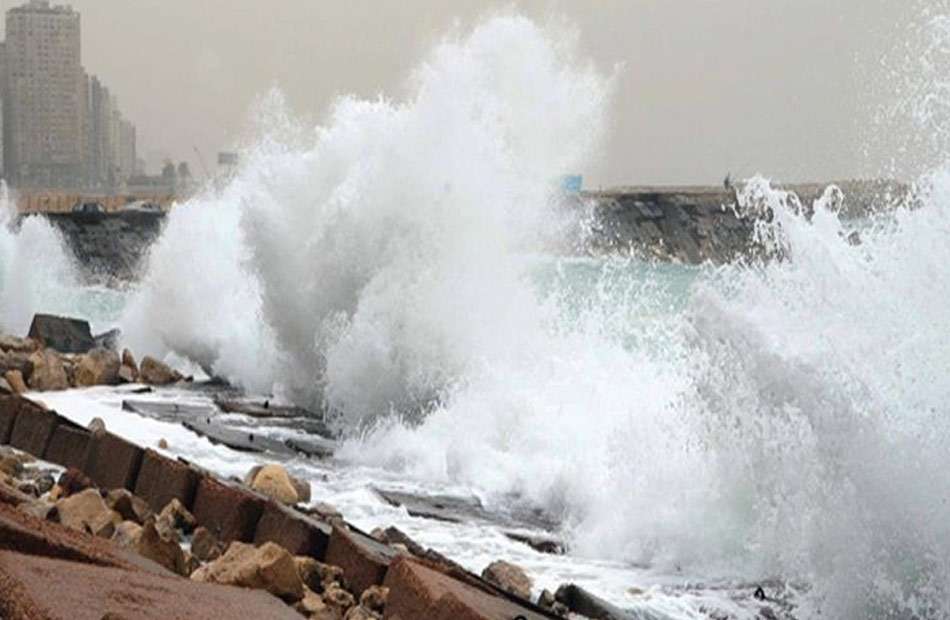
x=783 y=87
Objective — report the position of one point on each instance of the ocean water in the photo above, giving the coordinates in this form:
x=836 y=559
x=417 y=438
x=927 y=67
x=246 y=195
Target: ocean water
x=407 y=267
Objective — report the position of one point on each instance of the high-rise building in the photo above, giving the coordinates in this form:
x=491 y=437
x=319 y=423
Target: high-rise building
x=126 y=150
x=44 y=90
x=100 y=142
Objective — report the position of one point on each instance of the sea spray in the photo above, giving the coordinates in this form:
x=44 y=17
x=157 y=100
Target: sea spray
x=37 y=273
x=785 y=418
x=788 y=423
x=378 y=252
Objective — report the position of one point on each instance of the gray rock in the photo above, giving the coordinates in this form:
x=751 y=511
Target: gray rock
x=580 y=601
x=96 y=425
x=109 y=340
x=98 y=367
x=17 y=345
x=509 y=577
x=154 y=372
x=49 y=372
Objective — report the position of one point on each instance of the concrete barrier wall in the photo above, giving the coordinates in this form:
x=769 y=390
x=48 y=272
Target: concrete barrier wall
x=234 y=512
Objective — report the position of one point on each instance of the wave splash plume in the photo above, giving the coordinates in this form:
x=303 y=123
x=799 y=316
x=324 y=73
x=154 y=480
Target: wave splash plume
x=786 y=419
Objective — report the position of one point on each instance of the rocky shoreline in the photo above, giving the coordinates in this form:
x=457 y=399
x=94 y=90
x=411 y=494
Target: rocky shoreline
x=131 y=532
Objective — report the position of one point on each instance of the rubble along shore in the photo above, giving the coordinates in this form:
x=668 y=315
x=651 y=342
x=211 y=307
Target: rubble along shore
x=134 y=532
x=128 y=531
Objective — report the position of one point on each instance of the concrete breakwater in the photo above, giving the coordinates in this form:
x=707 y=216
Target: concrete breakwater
x=692 y=225
x=687 y=225
x=108 y=245
x=112 y=525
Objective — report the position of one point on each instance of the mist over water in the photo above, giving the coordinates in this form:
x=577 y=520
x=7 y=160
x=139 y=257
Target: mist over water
x=784 y=419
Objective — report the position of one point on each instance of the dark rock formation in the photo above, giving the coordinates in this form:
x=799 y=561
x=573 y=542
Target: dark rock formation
x=63 y=334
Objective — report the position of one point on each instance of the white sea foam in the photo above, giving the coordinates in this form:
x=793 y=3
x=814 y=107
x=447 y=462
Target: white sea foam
x=377 y=252
x=36 y=270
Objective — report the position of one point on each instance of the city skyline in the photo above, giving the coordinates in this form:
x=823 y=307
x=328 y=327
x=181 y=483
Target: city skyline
x=62 y=126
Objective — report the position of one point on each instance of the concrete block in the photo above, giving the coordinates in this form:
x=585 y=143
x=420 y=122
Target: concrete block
x=416 y=591
x=112 y=462
x=295 y=532
x=62 y=334
x=33 y=428
x=228 y=511
x=162 y=479
x=68 y=445
x=364 y=560
x=9 y=407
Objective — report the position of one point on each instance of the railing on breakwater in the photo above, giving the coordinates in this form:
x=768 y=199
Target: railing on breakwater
x=50 y=201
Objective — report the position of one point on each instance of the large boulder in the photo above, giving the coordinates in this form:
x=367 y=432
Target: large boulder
x=41 y=509
x=73 y=481
x=108 y=340
x=160 y=547
x=175 y=516
x=316 y=575
x=16 y=360
x=581 y=602
x=88 y=512
x=17 y=345
x=129 y=507
x=149 y=541
x=10 y=465
x=273 y=481
x=98 y=367
x=312 y=606
x=361 y=613
x=205 y=546
x=129 y=360
x=268 y=567
x=509 y=577
x=14 y=379
x=129 y=371
x=154 y=372
x=127 y=374
x=62 y=334
x=302 y=488
x=49 y=373
x=374 y=599
x=338 y=599
x=127 y=534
